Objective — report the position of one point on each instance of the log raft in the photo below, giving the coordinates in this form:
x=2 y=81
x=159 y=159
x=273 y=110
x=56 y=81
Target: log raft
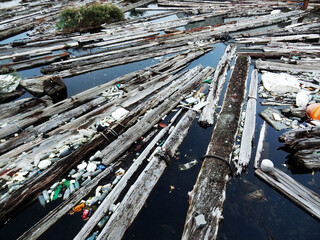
x=207 y=197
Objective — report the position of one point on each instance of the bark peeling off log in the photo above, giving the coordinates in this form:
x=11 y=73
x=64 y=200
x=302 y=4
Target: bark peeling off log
x=208 y=194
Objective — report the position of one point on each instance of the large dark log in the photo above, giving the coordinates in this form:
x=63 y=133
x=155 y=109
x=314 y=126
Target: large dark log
x=207 y=197
x=293 y=135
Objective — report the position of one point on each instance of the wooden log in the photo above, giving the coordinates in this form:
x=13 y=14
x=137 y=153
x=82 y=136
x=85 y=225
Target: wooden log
x=138 y=193
x=216 y=86
x=33 y=63
x=6 y=97
x=45 y=85
x=260 y=40
x=308 y=158
x=54 y=215
x=11 y=109
x=132 y=6
x=294 y=191
x=291 y=136
x=169 y=99
x=273 y=66
x=174 y=62
x=14 y=31
x=305 y=143
x=31 y=188
x=260 y=149
x=208 y=194
x=124 y=181
x=249 y=124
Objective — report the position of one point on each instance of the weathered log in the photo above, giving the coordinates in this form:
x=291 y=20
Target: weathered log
x=309 y=158
x=291 y=136
x=45 y=85
x=28 y=192
x=280 y=39
x=6 y=97
x=294 y=191
x=14 y=31
x=305 y=143
x=113 y=195
x=249 y=124
x=169 y=99
x=274 y=66
x=33 y=63
x=138 y=193
x=208 y=194
x=53 y=216
x=260 y=149
x=218 y=80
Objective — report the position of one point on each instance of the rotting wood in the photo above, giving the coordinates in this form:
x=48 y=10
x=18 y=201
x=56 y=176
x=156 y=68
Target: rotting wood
x=54 y=215
x=280 y=39
x=31 y=188
x=17 y=66
x=210 y=186
x=274 y=66
x=294 y=191
x=113 y=195
x=249 y=124
x=175 y=63
x=146 y=123
x=291 y=136
x=217 y=83
x=308 y=158
x=260 y=149
x=138 y=193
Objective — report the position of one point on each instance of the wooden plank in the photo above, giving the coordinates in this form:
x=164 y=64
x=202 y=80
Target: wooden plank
x=208 y=194
x=294 y=191
x=249 y=124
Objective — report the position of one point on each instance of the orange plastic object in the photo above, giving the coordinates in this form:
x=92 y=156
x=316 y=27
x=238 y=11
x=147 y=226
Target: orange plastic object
x=313 y=111
x=79 y=207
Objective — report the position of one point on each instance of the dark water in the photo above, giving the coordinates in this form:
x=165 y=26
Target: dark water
x=163 y=215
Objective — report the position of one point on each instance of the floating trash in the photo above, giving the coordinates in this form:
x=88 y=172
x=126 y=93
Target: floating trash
x=188 y=165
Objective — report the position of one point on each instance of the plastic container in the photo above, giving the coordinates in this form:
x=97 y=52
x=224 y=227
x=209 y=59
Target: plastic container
x=313 y=111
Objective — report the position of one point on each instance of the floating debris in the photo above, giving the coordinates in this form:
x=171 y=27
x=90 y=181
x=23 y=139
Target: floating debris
x=188 y=165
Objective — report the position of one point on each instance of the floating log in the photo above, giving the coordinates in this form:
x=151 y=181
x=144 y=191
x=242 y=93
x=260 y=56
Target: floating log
x=249 y=124
x=31 y=188
x=22 y=65
x=217 y=83
x=169 y=98
x=274 y=66
x=309 y=158
x=293 y=135
x=260 y=40
x=207 y=197
x=260 y=149
x=45 y=85
x=294 y=191
x=138 y=193
x=6 y=97
x=113 y=195
x=54 y=215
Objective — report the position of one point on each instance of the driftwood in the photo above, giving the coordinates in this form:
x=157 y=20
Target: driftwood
x=208 y=194
x=309 y=158
x=293 y=135
x=249 y=124
x=218 y=80
x=138 y=193
x=51 y=218
x=45 y=85
x=280 y=39
x=273 y=66
x=297 y=193
x=260 y=149
x=28 y=192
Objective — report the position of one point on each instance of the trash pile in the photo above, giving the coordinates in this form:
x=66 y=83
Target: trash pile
x=300 y=93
